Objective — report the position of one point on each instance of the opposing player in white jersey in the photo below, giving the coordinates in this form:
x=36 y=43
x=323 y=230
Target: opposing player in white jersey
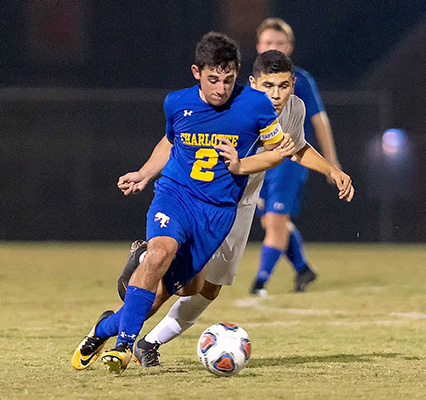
x=273 y=73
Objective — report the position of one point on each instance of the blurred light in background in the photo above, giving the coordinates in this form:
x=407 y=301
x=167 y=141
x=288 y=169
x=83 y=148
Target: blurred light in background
x=390 y=175
x=394 y=142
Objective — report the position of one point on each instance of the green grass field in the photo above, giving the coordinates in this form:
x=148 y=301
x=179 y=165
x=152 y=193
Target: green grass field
x=358 y=333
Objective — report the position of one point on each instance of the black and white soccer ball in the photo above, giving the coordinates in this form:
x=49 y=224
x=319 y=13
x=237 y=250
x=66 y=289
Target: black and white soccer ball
x=224 y=349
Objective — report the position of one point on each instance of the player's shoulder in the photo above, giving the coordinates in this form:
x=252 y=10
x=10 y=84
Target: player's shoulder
x=296 y=104
x=293 y=111
x=179 y=95
x=255 y=97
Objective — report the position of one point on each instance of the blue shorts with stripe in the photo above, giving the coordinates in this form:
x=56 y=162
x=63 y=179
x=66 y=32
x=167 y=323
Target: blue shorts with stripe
x=198 y=227
x=282 y=189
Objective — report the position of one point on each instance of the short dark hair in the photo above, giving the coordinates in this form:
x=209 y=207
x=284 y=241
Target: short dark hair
x=217 y=50
x=272 y=62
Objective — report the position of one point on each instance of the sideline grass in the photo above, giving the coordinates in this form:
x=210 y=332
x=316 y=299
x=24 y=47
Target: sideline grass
x=358 y=333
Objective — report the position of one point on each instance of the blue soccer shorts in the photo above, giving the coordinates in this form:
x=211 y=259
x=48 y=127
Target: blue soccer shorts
x=282 y=189
x=198 y=227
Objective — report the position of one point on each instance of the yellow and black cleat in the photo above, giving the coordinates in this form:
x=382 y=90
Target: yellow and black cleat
x=117 y=359
x=90 y=347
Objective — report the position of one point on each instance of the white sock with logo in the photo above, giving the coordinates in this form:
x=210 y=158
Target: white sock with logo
x=181 y=316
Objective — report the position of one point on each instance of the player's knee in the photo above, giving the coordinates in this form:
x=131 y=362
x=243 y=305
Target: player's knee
x=156 y=257
x=210 y=291
x=277 y=222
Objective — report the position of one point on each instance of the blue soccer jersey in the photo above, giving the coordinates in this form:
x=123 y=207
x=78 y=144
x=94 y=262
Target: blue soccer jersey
x=307 y=90
x=194 y=127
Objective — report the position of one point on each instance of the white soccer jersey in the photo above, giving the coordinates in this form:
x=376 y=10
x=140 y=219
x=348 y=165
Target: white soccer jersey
x=222 y=267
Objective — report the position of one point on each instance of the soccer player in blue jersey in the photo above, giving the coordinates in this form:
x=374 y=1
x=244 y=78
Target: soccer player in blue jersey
x=273 y=73
x=281 y=194
x=196 y=198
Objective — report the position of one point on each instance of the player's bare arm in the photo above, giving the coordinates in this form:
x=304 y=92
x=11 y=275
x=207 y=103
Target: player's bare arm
x=310 y=158
x=134 y=182
x=324 y=136
x=258 y=162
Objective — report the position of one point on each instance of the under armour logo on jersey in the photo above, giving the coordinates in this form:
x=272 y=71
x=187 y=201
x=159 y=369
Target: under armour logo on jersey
x=187 y=113
x=163 y=218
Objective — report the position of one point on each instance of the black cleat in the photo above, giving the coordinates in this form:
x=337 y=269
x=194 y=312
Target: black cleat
x=303 y=278
x=138 y=247
x=146 y=354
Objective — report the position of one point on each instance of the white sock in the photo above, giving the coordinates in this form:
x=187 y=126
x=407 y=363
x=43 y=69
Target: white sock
x=181 y=316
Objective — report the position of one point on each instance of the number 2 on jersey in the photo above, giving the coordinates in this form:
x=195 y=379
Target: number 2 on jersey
x=197 y=169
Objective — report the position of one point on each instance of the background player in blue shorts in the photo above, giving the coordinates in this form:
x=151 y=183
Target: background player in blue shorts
x=196 y=198
x=281 y=194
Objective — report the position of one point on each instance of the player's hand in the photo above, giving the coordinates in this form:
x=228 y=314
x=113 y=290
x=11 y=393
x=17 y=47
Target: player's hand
x=343 y=183
x=132 y=183
x=336 y=163
x=230 y=155
x=286 y=147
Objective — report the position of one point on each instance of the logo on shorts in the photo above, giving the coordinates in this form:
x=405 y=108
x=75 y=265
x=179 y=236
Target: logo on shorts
x=163 y=218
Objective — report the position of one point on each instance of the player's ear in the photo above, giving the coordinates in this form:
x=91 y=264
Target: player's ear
x=196 y=72
x=252 y=82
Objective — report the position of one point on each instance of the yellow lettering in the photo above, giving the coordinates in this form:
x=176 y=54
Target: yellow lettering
x=184 y=137
x=194 y=140
x=213 y=141
x=201 y=139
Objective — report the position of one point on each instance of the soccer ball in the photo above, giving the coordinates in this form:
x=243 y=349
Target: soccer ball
x=224 y=349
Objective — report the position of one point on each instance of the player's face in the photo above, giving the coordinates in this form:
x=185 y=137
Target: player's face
x=216 y=83
x=278 y=87
x=270 y=39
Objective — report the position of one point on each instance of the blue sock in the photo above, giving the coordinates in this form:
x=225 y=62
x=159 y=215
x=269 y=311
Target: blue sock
x=137 y=304
x=108 y=327
x=295 y=252
x=269 y=257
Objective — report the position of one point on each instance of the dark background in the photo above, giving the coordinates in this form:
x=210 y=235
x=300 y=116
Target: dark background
x=81 y=91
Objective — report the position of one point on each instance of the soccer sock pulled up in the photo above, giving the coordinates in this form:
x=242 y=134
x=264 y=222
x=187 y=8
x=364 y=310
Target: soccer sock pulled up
x=294 y=252
x=269 y=257
x=108 y=327
x=181 y=316
x=137 y=304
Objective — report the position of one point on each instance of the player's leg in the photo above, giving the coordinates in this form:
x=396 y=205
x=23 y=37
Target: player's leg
x=296 y=255
x=136 y=255
x=275 y=241
x=220 y=270
x=181 y=316
x=107 y=326
x=281 y=199
x=139 y=299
